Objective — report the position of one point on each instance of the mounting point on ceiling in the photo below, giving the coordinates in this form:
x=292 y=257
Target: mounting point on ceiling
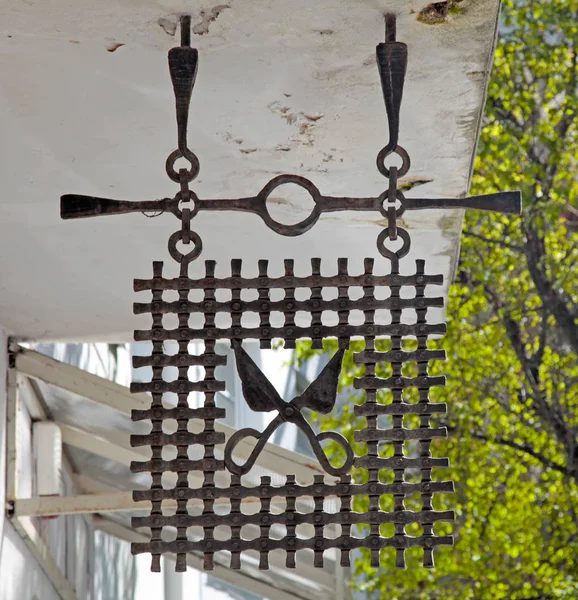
x=390 y=27
x=185 y=22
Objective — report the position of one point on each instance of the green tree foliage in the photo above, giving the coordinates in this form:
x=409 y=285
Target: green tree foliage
x=512 y=340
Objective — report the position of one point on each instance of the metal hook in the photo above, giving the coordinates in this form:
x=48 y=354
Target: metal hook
x=392 y=65
x=183 y=63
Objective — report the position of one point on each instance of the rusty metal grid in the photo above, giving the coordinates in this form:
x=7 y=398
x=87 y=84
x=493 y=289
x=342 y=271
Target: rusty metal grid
x=373 y=436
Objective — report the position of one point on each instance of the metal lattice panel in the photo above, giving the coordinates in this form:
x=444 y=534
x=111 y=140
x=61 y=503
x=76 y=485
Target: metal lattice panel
x=382 y=455
x=320 y=395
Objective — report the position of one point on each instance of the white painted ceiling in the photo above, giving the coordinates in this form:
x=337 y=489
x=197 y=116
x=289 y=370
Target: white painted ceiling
x=282 y=87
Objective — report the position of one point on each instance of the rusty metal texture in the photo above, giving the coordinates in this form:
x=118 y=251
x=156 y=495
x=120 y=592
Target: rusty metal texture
x=77 y=206
x=378 y=466
x=320 y=396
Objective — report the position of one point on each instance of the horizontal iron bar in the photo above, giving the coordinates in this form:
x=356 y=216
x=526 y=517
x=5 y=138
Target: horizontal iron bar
x=207 y=412
x=286 y=282
x=292 y=543
x=404 y=517
x=178 y=387
x=78 y=206
x=269 y=333
x=296 y=491
x=179 y=360
x=399 y=462
x=312 y=305
x=398 y=408
x=398 y=383
x=179 y=438
x=373 y=357
x=178 y=465
x=398 y=434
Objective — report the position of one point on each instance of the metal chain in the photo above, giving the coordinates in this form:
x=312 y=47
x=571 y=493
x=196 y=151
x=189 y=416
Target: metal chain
x=183 y=62
x=392 y=63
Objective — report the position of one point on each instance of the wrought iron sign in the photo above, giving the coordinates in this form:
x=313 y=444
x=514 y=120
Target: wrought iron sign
x=219 y=454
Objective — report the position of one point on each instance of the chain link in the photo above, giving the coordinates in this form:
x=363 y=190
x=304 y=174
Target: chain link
x=391 y=198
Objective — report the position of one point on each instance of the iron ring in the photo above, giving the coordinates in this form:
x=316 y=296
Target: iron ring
x=385 y=152
x=297 y=228
x=187 y=155
x=403 y=251
x=177 y=255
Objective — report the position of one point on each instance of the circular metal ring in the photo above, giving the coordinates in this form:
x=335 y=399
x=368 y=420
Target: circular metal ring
x=401 y=252
x=187 y=155
x=192 y=205
x=297 y=228
x=341 y=441
x=177 y=255
x=385 y=152
x=383 y=202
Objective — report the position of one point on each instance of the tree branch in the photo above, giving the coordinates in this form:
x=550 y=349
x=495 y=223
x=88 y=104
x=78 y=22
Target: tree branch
x=535 y=253
x=525 y=449
x=488 y=240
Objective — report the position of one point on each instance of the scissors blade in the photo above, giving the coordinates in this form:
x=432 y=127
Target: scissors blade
x=258 y=391
x=321 y=394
